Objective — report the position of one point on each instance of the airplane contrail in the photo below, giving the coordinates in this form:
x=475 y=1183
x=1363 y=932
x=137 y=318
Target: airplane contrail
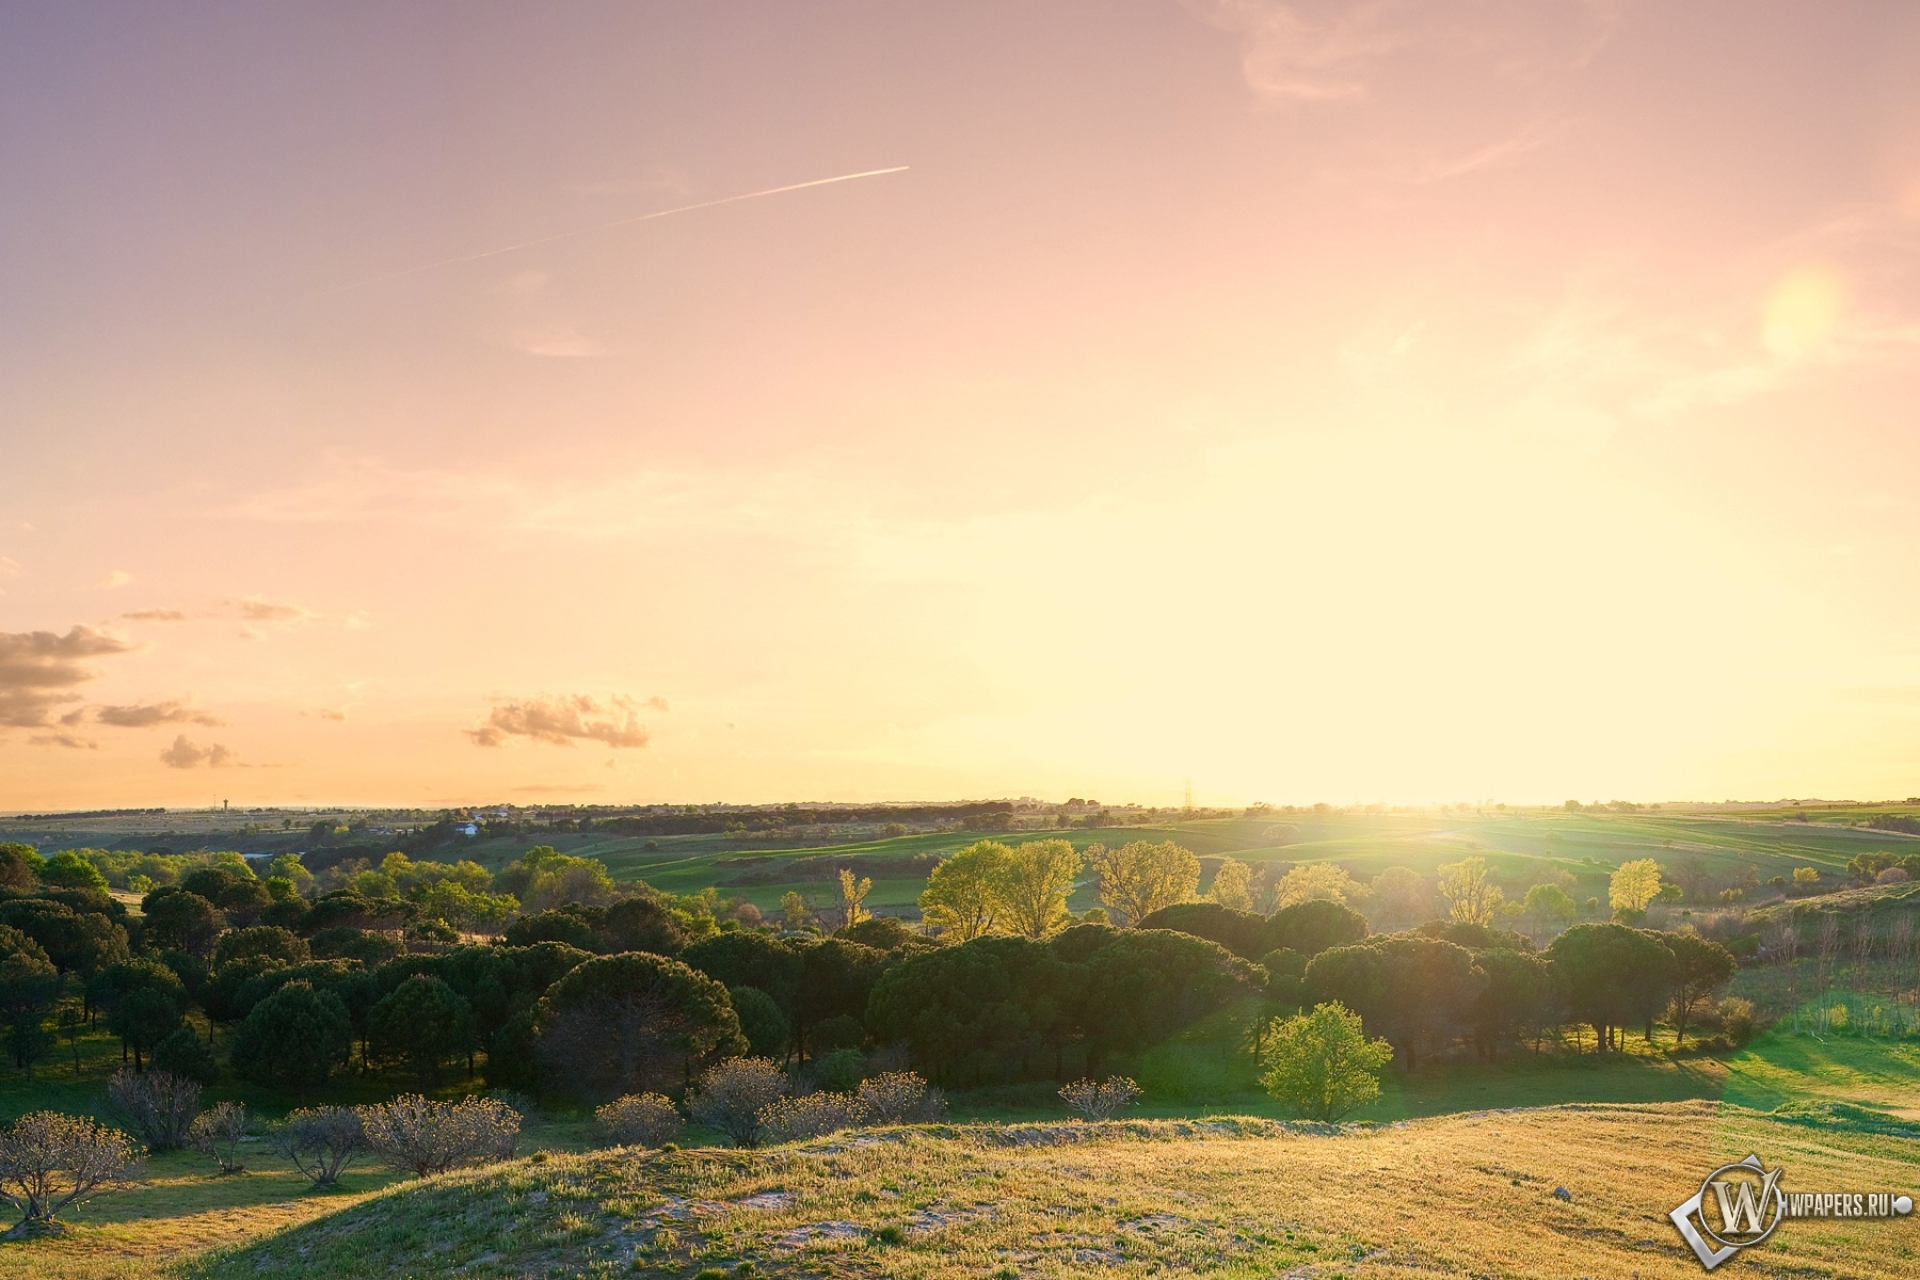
x=618 y=222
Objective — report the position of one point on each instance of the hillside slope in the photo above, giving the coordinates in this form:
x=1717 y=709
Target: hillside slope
x=1454 y=1196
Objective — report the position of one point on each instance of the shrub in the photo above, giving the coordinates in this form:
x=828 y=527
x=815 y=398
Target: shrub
x=639 y=1120
x=186 y=1055
x=156 y=1105
x=49 y=1161
x=839 y=1071
x=1737 y=1020
x=427 y=1137
x=1102 y=1101
x=900 y=1097
x=321 y=1142
x=217 y=1132
x=732 y=1095
x=810 y=1115
x=1322 y=1063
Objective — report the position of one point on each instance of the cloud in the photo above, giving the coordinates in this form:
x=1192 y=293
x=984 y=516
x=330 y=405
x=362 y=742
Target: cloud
x=255 y=609
x=186 y=754
x=564 y=721
x=64 y=740
x=564 y=344
x=155 y=615
x=39 y=668
x=146 y=715
x=1287 y=57
x=118 y=578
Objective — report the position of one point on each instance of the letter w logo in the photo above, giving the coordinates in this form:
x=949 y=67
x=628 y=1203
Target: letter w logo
x=1743 y=1206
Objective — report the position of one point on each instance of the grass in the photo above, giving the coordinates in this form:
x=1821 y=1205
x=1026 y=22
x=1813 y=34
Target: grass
x=1231 y=1198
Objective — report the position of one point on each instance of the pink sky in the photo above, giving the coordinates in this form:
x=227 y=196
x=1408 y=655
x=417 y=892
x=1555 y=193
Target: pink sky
x=1383 y=401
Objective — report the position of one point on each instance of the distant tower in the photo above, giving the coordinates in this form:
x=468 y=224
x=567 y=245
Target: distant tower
x=1189 y=795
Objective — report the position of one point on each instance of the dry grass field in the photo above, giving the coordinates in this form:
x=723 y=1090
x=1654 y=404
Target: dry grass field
x=1465 y=1195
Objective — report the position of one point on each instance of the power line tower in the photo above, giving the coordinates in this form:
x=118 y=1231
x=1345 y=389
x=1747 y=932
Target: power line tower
x=1189 y=795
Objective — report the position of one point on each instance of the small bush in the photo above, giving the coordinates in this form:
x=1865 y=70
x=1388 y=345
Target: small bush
x=186 y=1055
x=1102 y=1101
x=1737 y=1020
x=427 y=1137
x=639 y=1120
x=732 y=1095
x=810 y=1116
x=49 y=1161
x=900 y=1097
x=321 y=1142
x=217 y=1132
x=157 y=1106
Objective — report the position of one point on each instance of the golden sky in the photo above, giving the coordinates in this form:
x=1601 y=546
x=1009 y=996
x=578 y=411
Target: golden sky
x=1381 y=401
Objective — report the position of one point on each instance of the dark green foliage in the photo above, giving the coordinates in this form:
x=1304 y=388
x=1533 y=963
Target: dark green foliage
x=345 y=942
x=749 y=958
x=1312 y=927
x=836 y=979
x=1147 y=984
x=75 y=940
x=977 y=1007
x=1613 y=976
x=641 y=924
x=346 y=909
x=192 y=971
x=839 y=1071
x=573 y=925
x=228 y=994
x=1700 y=967
x=1406 y=986
x=884 y=933
x=1515 y=996
x=836 y=1034
x=261 y=940
x=1241 y=932
x=29 y=986
x=766 y=1028
x=632 y=1023
x=294 y=1039
x=186 y=1055
x=180 y=920
x=19 y=865
x=514 y=1061
x=144 y=1001
x=1286 y=978
x=421 y=1024
x=1475 y=937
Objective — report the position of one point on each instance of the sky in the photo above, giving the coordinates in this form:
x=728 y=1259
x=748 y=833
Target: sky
x=1392 y=401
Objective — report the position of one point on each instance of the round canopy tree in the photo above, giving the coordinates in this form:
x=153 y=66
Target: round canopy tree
x=633 y=1022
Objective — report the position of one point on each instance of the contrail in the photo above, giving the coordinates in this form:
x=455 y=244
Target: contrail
x=618 y=222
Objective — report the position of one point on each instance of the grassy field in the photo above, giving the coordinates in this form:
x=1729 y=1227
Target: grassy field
x=1466 y=1195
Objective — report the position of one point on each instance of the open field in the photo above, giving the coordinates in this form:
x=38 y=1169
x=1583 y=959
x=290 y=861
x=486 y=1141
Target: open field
x=1225 y=1197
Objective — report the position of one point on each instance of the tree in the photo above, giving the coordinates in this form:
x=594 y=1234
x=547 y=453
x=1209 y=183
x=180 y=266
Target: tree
x=181 y=920
x=1612 y=975
x=144 y=1001
x=748 y=958
x=421 y=1023
x=1513 y=998
x=1139 y=878
x=1315 y=882
x=186 y=1055
x=1632 y=887
x=68 y=870
x=767 y=1030
x=961 y=899
x=837 y=977
x=1232 y=885
x=733 y=1095
x=1240 y=932
x=1312 y=927
x=641 y=924
x=293 y=1039
x=1470 y=896
x=1549 y=905
x=321 y=1142
x=29 y=986
x=852 y=894
x=979 y=1004
x=1401 y=896
x=793 y=909
x=261 y=940
x=1700 y=968
x=218 y=1132
x=20 y=865
x=633 y=1022
x=1033 y=886
x=49 y=1162
x=1322 y=1063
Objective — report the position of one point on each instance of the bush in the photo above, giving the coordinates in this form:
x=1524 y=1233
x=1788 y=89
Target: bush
x=732 y=1095
x=217 y=1132
x=839 y=1071
x=321 y=1142
x=1102 y=1101
x=1322 y=1063
x=186 y=1055
x=810 y=1116
x=426 y=1137
x=156 y=1105
x=900 y=1097
x=1737 y=1020
x=49 y=1161
x=639 y=1120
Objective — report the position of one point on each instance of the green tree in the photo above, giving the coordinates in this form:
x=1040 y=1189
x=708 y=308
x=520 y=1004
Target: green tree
x=29 y=986
x=793 y=909
x=1550 y=905
x=1232 y=885
x=20 y=865
x=180 y=919
x=1315 y=882
x=1322 y=1064
x=68 y=870
x=421 y=1023
x=853 y=894
x=144 y=1001
x=1700 y=968
x=961 y=898
x=1313 y=927
x=1033 y=885
x=294 y=1039
x=633 y=1022
x=1612 y=975
x=763 y=1024
x=1141 y=877
x=1470 y=896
